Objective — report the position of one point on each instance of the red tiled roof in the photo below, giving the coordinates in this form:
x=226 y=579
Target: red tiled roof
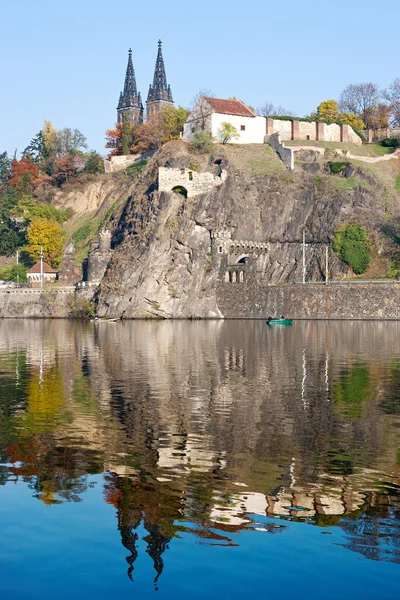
x=229 y=107
x=46 y=268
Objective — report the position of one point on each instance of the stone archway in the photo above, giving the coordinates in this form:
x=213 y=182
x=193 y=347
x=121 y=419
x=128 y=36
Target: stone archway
x=241 y=260
x=180 y=190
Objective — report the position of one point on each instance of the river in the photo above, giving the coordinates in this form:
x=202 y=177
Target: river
x=199 y=459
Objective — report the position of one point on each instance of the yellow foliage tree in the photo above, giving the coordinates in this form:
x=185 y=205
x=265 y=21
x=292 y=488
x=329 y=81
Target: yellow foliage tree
x=328 y=111
x=49 y=139
x=46 y=234
x=353 y=120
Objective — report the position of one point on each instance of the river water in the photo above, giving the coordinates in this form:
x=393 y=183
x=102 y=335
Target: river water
x=199 y=459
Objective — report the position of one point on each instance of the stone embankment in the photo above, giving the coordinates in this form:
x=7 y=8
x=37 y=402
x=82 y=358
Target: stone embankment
x=346 y=301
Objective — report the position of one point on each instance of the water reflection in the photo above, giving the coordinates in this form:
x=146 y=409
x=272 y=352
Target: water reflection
x=208 y=428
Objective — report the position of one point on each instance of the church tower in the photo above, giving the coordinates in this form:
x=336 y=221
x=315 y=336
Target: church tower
x=160 y=94
x=130 y=101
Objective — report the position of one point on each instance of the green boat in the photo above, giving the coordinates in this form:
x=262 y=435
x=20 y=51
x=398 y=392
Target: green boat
x=279 y=321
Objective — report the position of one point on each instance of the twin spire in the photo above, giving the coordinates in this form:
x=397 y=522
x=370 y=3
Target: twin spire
x=160 y=95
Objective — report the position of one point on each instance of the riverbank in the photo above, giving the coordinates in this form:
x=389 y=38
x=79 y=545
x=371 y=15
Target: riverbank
x=343 y=301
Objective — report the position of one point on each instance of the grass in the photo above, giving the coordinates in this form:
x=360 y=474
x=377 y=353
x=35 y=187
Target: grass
x=397 y=183
x=349 y=183
x=364 y=150
x=258 y=160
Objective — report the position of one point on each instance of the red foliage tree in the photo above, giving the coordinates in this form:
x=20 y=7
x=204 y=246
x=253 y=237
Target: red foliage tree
x=23 y=170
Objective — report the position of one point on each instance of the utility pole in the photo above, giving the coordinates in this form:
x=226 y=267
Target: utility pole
x=17 y=266
x=41 y=267
x=326 y=264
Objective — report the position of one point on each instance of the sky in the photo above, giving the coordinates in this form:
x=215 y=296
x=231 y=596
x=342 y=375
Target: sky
x=65 y=61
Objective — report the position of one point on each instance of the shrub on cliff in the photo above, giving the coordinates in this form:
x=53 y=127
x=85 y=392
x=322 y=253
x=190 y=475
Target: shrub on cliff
x=80 y=308
x=353 y=247
x=202 y=141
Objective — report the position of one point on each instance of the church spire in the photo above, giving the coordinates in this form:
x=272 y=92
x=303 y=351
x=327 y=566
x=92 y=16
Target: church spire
x=160 y=94
x=160 y=90
x=130 y=102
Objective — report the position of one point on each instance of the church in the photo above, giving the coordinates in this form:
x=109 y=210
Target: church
x=159 y=96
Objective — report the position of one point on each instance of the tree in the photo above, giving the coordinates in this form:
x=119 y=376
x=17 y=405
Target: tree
x=9 y=241
x=113 y=137
x=353 y=247
x=200 y=109
x=94 y=163
x=126 y=136
x=15 y=273
x=392 y=95
x=23 y=173
x=270 y=109
x=202 y=141
x=5 y=167
x=48 y=234
x=328 y=111
x=69 y=142
x=227 y=132
x=361 y=99
x=162 y=128
x=64 y=167
x=352 y=120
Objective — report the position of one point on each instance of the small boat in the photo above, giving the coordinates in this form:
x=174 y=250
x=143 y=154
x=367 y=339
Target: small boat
x=279 y=321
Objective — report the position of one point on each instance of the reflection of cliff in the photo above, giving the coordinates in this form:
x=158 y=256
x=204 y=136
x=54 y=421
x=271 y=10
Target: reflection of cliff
x=209 y=422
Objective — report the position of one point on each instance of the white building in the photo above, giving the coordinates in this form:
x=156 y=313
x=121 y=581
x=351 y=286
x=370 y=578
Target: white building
x=35 y=273
x=210 y=113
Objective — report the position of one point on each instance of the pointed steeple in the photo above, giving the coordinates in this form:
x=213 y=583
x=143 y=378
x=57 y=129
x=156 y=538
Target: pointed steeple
x=130 y=102
x=160 y=90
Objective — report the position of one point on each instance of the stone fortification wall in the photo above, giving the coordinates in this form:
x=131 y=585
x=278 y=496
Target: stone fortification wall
x=303 y=130
x=193 y=182
x=243 y=300
x=286 y=154
x=118 y=163
x=22 y=303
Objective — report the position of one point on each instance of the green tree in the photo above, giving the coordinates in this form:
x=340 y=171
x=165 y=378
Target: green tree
x=328 y=111
x=227 y=132
x=353 y=247
x=46 y=234
x=126 y=136
x=9 y=241
x=16 y=273
x=5 y=167
x=94 y=163
x=202 y=141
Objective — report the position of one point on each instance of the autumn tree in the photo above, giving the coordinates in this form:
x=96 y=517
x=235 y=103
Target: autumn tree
x=94 y=163
x=361 y=99
x=23 y=174
x=113 y=140
x=351 y=119
x=227 y=132
x=162 y=128
x=46 y=234
x=328 y=111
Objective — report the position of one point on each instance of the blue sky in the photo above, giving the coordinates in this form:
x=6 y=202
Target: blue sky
x=65 y=61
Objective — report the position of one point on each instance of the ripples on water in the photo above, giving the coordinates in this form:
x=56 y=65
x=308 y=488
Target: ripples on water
x=202 y=439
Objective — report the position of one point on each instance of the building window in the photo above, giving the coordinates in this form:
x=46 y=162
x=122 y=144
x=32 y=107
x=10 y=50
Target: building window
x=193 y=129
x=182 y=171
x=190 y=176
x=243 y=128
x=220 y=249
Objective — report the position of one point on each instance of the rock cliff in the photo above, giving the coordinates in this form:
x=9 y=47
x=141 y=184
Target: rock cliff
x=165 y=262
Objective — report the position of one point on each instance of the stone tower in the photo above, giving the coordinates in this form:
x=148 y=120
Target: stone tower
x=160 y=94
x=130 y=101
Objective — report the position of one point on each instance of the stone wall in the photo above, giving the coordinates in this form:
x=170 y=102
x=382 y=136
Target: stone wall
x=22 y=303
x=248 y=300
x=118 y=163
x=194 y=183
x=286 y=154
x=303 y=130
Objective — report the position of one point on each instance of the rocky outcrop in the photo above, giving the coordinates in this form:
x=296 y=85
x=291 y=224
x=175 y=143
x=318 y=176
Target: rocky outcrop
x=164 y=263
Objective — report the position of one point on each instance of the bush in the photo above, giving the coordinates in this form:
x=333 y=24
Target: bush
x=136 y=168
x=337 y=167
x=80 y=308
x=390 y=143
x=202 y=141
x=82 y=233
x=353 y=247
